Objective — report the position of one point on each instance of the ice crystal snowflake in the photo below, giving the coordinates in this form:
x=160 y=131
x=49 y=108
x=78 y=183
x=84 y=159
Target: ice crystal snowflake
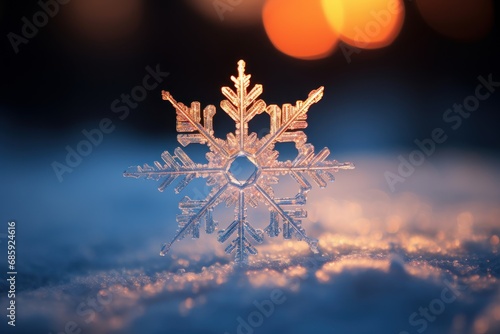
x=242 y=169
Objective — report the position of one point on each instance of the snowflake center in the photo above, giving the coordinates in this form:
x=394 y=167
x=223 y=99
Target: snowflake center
x=242 y=171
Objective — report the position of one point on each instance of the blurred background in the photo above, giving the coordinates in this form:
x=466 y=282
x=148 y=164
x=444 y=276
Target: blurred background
x=388 y=89
x=393 y=72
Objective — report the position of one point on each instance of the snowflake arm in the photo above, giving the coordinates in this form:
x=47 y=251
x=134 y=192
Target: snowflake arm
x=191 y=224
x=242 y=107
x=188 y=120
x=289 y=118
x=179 y=165
x=318 y=169
x=292 y=225
x=240 y=226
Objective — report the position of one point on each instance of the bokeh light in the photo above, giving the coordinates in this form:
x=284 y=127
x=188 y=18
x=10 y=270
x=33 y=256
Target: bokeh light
x=458 y=19
x=367 y=24
x=299 y=28
x=237 y=12
x=104 y=21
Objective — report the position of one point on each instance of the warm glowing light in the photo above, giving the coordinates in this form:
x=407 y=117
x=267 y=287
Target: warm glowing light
x=367 y=24
x=322 y=276
x=417 y=243
x=481 y=325
x=458 y=19
x=494 y=240
x=267 y=278
x=496 y=312
x=186 y=306
x=337 y=267
x=465 y=222
x=299 y=28
x=183 y=262
x=393 y=224
x=363 y=226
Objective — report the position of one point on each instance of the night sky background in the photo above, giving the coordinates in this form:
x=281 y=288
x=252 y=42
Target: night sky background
x=94 y=233
x=383 y=98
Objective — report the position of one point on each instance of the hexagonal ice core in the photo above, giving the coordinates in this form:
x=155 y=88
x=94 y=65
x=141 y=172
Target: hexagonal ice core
x=242 y=171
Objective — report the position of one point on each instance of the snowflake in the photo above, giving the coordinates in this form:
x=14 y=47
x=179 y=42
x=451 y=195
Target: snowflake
x=242 y=169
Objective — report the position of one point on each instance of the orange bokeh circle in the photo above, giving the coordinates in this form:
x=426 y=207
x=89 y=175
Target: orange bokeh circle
x=367 y=24
x=299 y=28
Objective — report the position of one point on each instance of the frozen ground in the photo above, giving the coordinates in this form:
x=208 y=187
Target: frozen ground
x=423 y=259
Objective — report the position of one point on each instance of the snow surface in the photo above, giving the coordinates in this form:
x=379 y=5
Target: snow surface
x=88 y=249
